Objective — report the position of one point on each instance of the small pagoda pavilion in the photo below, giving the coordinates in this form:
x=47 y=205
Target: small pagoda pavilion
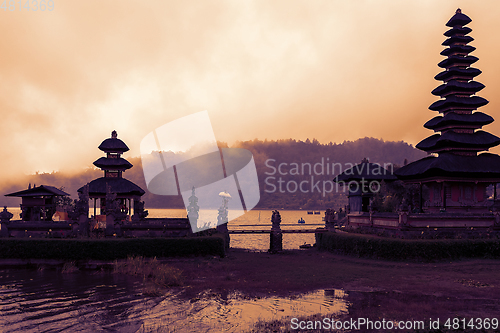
x=459 y=170
x=363 y=181
x=113 y=166
x=39 y=203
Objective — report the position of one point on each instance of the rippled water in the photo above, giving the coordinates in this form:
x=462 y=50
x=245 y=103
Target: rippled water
x=46 y=301
x=51 y=301
x=236 y=314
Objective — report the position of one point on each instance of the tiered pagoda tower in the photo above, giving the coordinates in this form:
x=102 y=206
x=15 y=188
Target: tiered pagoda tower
x=458 y=173
x=113 y=166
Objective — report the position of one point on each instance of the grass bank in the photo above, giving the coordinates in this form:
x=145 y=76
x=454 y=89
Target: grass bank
x=155 y=275
x=110 y=249
x=370 y=246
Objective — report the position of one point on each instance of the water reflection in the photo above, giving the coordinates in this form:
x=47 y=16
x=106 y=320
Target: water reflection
x=238 y=313
x=48 y=301
x=34 y=301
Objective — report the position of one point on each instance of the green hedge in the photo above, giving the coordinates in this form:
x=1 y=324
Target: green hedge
x=110 y=249
x=402 y=249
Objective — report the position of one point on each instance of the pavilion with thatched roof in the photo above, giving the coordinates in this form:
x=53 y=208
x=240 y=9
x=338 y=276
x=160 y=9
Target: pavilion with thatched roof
x=38 y=202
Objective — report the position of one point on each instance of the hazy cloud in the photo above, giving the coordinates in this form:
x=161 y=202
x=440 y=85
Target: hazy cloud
x=332 y=70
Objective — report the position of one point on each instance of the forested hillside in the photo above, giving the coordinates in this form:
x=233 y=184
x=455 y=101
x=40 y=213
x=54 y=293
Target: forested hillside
x=326 y=161
x=292 y=174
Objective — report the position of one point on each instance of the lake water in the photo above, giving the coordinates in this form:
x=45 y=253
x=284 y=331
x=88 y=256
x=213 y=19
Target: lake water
x=82 y=301
x=259 y=219
x=51 y=301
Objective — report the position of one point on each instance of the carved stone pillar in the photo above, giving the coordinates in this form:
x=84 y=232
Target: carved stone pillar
x=276 y=235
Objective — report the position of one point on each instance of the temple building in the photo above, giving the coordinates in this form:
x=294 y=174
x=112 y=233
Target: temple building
x=113 y=166
x=39 y=203
x=363 y=181
x=458 y=170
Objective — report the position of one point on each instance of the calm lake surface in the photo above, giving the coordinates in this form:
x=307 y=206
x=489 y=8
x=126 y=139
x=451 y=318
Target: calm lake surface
x=94 y=301
x=52 y=301
x=260 y=218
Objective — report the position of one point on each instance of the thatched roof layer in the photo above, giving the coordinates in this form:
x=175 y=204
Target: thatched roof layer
x=42 y=190
x=120 y=186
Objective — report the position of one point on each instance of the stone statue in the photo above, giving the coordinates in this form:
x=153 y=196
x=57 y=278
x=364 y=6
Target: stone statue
x=222 y=217
x=5 y=215
x=113 y=206
x=276 y=235
x=276 y=220
x=81 y=205
x=330 y=218
x=193 y=207
x=139 y=212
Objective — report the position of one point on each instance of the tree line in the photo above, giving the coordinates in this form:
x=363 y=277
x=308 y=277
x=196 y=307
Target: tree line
x=292 y=174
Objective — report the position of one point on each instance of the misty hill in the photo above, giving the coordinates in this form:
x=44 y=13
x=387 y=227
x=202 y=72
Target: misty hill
x=310 y=163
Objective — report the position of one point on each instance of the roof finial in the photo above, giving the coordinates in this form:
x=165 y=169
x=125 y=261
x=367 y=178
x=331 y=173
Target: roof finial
x=459 y=11
x=114 y=135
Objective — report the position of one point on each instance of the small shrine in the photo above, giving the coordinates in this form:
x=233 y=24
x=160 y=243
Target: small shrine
x=113 y=182
x=363 y=181
x=458 y=170
x=39 y=203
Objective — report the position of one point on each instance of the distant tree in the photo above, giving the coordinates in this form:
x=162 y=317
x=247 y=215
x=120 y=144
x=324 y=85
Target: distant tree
x=282 y=151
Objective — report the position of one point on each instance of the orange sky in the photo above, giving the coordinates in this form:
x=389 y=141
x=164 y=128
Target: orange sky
x=331 y=70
